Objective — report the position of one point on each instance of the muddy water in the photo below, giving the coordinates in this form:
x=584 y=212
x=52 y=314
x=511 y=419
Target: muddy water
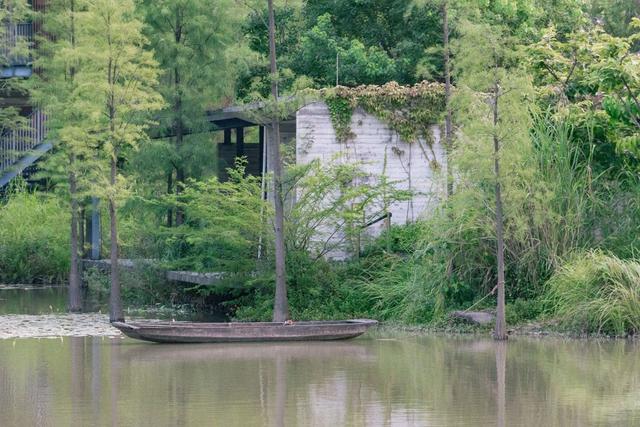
x=27 y=299
x=382 y=379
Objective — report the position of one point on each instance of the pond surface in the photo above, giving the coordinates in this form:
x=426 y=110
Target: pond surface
x=38 y=300
x=26 y=299
x=382 y=379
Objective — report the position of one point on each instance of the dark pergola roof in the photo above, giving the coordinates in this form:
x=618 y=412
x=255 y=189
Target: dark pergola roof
x=235 y=116
x=242 y=115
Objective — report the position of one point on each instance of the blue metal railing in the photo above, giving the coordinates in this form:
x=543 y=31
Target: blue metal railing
x=18 y=143
x=16 y=41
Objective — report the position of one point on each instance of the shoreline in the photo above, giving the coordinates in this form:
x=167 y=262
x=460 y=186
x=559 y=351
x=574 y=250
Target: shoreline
x=529 y=330
x=58 y=325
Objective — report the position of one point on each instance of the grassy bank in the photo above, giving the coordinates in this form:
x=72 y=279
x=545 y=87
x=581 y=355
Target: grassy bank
x=398 y=279
x=34 y=238
x=570 y=233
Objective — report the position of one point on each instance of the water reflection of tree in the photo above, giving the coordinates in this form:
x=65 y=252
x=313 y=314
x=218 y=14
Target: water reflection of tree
x=96 y=378
x=281 y=391
x=501 y=374
x=417 y=381
x=77 y=376
x=114 y=376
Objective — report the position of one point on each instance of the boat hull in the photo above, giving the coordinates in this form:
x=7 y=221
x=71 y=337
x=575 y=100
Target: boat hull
x=195 y=332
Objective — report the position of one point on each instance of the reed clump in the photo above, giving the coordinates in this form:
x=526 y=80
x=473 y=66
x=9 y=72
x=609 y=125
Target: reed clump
x=596 y=292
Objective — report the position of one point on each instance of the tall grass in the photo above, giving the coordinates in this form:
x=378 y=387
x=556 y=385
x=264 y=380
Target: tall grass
x=596 y=292
x=34 y=238
x=554 y=206
x=403 y=290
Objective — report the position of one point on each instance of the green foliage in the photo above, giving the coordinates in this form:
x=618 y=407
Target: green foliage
x=340 y=111
x=60 y=94
x=447 y=261
x=318 y=289
x=143 y=286
x=569 y=174
x=226 y=224
x=406 y=290
x=408 y=110
x=185 y=33
x=590 y=78
x=616 y=73
x=596 y=292
x=322 y=54
x=549 y=201
x=34 y=238
x=615 y=15
x=12 y=12
x=334 y=201
x=367 y=42
x=397 y=31
x=523 y=310
x=117 y=83
x=194 y=43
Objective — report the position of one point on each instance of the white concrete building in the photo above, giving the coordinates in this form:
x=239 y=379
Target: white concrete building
x=418 y=166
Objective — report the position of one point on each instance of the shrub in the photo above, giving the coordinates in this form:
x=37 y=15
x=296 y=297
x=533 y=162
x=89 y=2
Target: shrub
x=596 y=293
x=522 y=310
x=34 y=238
x=554 y=206
x=317 y=289
x=225 y=225
x=403 y=289
x=143 y=285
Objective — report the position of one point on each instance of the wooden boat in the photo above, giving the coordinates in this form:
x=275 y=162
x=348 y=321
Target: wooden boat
x=197 y=332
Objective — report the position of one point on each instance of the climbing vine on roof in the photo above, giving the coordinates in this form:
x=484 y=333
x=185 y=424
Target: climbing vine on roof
x=408 y=110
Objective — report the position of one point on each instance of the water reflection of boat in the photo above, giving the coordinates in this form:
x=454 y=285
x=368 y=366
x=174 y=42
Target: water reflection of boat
x=200 y=332
x=250 y=352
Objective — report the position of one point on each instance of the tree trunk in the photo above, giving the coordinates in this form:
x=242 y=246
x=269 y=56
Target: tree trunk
x=115 y=300
x=75 y=296
x=448 y=132
x=500 y=332
x=82 y=243
x=448 y=121
x=281 y=305
x=180 y=175
x=170 y=191
x=178 y=124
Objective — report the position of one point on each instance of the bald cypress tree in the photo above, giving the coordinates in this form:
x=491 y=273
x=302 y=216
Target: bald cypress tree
x=493 y=96
x=57 y=90
x=281 y=304
x=119 y=85
x=193 y=41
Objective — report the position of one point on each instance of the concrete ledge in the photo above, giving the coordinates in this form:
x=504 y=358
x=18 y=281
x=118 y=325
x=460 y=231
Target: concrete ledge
x=476 y=317
x=193 y=277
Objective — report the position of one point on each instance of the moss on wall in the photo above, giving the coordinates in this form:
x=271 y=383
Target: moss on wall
x=408 y=110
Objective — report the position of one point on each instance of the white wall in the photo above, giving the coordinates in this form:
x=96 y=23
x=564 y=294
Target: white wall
x=409 y=163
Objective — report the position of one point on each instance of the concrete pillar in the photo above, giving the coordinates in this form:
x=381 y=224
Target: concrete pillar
x=227 y=136
x=96 y=238
x=239 y=142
